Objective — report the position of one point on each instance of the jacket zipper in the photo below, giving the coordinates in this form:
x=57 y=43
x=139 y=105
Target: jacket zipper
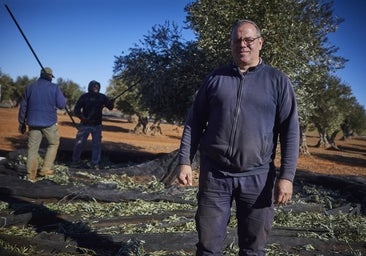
x=236 y=114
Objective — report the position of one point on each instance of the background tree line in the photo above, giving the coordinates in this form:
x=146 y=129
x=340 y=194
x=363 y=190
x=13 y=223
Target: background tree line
x=163 y=70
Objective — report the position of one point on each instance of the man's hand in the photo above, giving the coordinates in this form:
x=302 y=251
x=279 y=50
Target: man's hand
x=22 y=128
x=185 y=174
x=283 y=191
x=83 y=120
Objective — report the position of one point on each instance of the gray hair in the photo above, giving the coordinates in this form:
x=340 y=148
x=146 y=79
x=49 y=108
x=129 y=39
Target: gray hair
x=238 y=23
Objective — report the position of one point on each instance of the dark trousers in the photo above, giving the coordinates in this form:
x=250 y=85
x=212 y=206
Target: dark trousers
x=254 y=210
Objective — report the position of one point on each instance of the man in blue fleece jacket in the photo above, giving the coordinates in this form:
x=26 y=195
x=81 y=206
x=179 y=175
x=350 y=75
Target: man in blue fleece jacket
x=238 y=115
x=38 y=109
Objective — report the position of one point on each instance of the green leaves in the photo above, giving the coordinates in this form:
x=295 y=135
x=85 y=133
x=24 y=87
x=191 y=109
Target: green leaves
x=169 y=70
x=71 y=90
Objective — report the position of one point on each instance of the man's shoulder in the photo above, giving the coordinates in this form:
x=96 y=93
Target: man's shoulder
x=84 y=95
x=272 y=69
x=93 y=96
x=44 y=82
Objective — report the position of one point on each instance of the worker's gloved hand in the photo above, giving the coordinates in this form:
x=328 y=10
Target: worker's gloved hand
x=84 y=120
x=111 y=102
x=22 y=128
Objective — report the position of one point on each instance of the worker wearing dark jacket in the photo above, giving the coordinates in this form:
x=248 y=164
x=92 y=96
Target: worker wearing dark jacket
x=89 y=108
x=38 y=110
x=237 y=117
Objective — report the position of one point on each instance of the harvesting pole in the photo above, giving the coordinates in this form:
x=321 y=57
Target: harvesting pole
x=34 y=54
x=133 y=85
x=126 y=90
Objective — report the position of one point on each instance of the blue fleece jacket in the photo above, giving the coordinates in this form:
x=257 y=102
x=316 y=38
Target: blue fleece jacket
x=40 y=102
x=237 y=119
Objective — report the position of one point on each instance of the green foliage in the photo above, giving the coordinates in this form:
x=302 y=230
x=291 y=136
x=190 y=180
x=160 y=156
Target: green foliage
x=294 y=31
x=11 y=90
x=343 y=227
x=129 y=101
x=168 y=72
x=333 y=105
x=354 y=122
x=211 y=21
x=6 y=86
x=21 y=83
x=71 y=91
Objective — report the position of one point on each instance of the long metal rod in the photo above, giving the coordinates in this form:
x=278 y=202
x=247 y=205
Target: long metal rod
x=35 y=55
x=126 y=90
x=25 y=38
x=133 y=85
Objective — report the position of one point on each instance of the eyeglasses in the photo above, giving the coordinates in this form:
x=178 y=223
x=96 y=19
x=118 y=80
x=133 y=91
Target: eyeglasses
x=247 y=40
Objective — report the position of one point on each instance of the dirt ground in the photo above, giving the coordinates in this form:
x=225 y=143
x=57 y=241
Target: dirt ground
x=118 y=138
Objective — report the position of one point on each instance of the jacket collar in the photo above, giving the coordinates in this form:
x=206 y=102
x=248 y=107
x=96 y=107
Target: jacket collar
x=251 y=69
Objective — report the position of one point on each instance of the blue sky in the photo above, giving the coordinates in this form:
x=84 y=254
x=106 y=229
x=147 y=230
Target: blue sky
x=78 y=39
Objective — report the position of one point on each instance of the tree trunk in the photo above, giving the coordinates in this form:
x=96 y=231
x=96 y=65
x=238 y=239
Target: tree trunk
x=304 y=150
x=347 y=131
x=142 y=126
x=155 y=128
x=332 y=140
x=323 y=138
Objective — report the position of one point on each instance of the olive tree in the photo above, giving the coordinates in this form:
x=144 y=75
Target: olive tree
x=71 y=91
x=167 y=70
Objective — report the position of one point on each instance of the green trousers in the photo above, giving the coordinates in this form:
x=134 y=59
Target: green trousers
x=34 y=141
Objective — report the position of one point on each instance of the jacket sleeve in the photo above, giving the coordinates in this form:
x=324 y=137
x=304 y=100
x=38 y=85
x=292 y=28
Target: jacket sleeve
x=187 y=150
x=109 y=103
x=289 y=132
x=194 y=127
x=22 y=114
x=78 y=106
x=60 y=99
